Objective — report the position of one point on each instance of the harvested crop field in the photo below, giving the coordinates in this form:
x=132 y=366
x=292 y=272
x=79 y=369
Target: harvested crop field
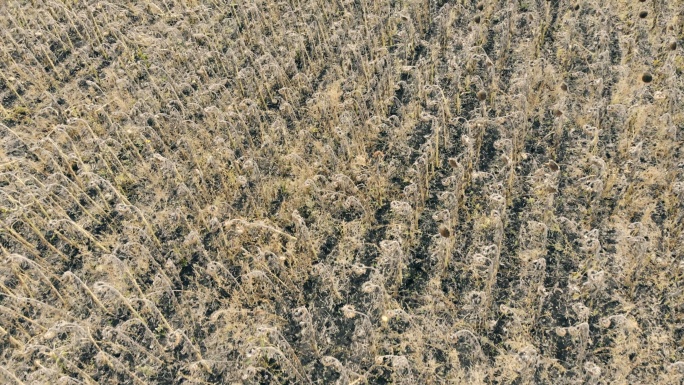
x=341 y=192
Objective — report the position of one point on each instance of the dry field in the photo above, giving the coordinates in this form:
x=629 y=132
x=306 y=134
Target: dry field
x=341 y=192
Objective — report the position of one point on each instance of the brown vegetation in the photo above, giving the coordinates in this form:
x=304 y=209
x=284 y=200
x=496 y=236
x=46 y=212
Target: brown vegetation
x=349 y=192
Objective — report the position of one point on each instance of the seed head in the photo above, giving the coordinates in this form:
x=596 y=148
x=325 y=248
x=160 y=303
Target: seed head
x=348 y=311
x=553 y=166
x=444 y=231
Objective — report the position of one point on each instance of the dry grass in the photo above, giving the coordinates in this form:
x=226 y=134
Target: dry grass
x=349 y=192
